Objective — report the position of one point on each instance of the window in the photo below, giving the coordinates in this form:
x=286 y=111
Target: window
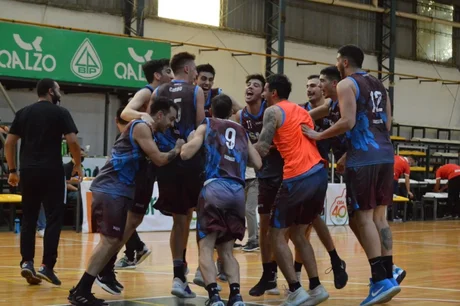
x=198 y=11
x=434 y=40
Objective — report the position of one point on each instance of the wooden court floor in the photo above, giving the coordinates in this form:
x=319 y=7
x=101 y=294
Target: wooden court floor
x=429 y=251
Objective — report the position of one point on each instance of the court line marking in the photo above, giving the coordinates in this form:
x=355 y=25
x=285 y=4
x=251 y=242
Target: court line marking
x=253 y=277
x=263 y=303
x=427 y=243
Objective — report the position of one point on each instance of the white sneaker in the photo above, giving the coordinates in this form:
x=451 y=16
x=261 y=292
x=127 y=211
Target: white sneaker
x=41 y=233
x=317 y=296
x=142 y=255
x=181 y=289
x=296 y=298
x=199 y=281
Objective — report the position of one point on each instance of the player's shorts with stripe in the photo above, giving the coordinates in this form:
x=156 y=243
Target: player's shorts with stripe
x=268 y=189
x=369 y=186
x=300 y=199
x=221 y=208
x=109 y=213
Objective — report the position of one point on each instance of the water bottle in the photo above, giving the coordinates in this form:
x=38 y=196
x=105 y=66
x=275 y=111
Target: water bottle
x=17 y=226
x=64 y=148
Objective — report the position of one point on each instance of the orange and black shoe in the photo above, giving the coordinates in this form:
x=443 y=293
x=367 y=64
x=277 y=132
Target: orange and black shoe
x=28 y=272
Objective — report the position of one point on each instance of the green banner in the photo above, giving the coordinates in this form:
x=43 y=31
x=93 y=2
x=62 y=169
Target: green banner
x=78 y=57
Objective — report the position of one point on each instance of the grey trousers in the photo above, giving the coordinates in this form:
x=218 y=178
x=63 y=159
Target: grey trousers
x=252 y=192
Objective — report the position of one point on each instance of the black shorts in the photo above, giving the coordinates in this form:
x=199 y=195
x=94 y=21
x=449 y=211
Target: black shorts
x=109 y=213
x=145 y=179
x=268 y=189
x=300 y=200
x=180 y=195
x=369 y=186
x=221 y=208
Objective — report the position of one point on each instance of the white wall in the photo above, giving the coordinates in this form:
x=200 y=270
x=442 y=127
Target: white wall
x=426 y=103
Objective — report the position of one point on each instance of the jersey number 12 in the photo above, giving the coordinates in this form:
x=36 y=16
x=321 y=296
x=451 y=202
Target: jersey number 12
x=376 y=98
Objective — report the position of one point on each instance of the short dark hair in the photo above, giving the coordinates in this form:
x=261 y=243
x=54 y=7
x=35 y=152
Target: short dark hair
x=206 y=68
x=163 y=104
x=119 y=119
x=313 y=76
x=153 y=66
x=332 y=73
x=353 y=53
x=256 y=76
x=221 y=106
x=44 y=85
x=179 y=60
x=281 y=84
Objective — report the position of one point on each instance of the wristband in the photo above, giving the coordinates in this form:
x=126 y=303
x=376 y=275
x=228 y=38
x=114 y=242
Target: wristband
x=12 y=171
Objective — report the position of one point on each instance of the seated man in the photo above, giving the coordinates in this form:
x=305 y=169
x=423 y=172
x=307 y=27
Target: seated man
x=221 y=205
x=114 y=191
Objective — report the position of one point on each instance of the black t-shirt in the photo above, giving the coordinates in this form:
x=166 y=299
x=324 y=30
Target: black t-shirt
x=40 y=127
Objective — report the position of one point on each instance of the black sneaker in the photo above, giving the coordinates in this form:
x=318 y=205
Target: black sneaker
x=28 y=272
x=265 y=286
x=142 y=255
x=80 y=298
x=236 y=300
x=214 y=301
x=117 y=283
x=340 y=275
x=237 y=245
x=108 y=284
x=74 y=289
x=251 y=247
x=48 y=275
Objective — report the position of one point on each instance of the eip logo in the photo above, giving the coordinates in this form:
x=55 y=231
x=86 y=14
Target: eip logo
x=86 y=63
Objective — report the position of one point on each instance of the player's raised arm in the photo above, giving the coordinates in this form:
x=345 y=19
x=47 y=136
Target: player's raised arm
x=193 y=146
x=272 y=117
x=131 y=111
x=254 y=159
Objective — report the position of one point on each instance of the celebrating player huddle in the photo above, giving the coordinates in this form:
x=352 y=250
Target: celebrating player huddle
x=198 y=145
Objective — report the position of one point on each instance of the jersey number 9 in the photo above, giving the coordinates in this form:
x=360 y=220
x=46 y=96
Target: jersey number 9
x=230 y=136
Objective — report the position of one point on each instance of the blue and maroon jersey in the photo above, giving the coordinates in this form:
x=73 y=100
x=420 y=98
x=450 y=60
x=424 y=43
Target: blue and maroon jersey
x=225 y=149
x=369 y=140
x=272 y=164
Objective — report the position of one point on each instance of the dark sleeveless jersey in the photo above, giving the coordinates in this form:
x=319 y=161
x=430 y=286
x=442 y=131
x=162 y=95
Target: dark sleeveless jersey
x=273 y=162
x=118 y=174
x=226 y=150
x=324 y=145
x=184 y=95
x=207 y=105
x=369 y=141
x=338 y=143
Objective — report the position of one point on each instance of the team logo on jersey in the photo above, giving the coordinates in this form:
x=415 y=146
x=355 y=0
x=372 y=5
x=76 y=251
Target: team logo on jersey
x=86 y=63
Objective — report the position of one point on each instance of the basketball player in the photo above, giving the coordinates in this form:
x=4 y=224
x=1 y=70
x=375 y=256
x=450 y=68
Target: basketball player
x=329 y=78
x=156 y=72
x=269 y=180
x=366 y=118
x=300 y=198
x=316 y=100
x=180 y=182
x=221 y=208
x=205 y=79
x=114 y=189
